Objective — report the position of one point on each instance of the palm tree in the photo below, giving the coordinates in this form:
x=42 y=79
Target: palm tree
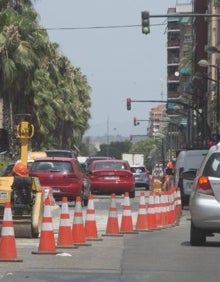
x=36 y=77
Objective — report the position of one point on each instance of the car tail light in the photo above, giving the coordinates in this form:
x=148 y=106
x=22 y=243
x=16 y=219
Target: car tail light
x=92 y=176
x=203 y=185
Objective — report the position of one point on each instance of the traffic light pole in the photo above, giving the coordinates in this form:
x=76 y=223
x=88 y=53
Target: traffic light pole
x=162 y=101
x=183 y=15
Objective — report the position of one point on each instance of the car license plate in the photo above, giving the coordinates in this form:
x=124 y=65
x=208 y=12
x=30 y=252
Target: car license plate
x=111 y=177
x=4 y=195
x=56 y=190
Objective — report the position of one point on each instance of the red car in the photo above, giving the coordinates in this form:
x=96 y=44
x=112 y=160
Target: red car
x=65 y=176
x=111 y=176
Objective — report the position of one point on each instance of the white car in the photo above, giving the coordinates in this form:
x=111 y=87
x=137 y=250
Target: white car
x=187 y=160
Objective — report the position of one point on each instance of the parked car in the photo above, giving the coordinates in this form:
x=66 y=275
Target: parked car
x=8 y=170
x=65 y=176
x=204 y=204
x=187 y=160
x=111 y=176
x=141 y=176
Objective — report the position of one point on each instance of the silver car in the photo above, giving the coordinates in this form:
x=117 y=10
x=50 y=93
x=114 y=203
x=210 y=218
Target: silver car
x=141 y=176
x=204 y=203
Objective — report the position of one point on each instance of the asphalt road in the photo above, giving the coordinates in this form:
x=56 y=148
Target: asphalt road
x=162 y=255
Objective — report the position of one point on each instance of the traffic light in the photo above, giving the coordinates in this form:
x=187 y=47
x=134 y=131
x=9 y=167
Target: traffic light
x=211 y=143
x=128 y=104
x=145 y=22
x=135 y=121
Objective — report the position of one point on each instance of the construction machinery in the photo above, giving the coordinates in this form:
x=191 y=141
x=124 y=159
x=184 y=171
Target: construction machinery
x=24 y=192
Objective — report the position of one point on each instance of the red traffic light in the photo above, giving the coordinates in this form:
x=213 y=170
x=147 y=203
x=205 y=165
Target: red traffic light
x=135 y=121
x=128 y=104
x=211 y=143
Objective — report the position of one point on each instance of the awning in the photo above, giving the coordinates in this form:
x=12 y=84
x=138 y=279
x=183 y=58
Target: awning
x=185 y=20
x=183 y=121
x=173 y=19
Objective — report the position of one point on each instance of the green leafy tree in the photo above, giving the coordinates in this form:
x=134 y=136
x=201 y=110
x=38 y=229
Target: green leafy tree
x=145 y=147
x=114 y=149
x=87 y=148
x=36 y=78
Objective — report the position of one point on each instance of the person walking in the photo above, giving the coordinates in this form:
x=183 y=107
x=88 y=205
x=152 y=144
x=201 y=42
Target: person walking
x=169 y=178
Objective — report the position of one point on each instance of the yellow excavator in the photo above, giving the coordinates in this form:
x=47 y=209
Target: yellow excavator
x=24 y=192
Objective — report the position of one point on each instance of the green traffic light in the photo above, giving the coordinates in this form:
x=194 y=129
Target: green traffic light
x=145 y=16
x=146 y=30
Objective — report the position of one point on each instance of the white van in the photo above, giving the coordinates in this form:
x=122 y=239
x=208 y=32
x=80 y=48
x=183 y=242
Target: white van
x=187 y=160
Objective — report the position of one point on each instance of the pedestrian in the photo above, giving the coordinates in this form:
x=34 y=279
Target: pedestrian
x=169 y=178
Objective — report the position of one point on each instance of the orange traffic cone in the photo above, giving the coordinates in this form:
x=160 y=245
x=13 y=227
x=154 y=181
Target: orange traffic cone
x=172 y=204
x=112 y=228
x=7 y=243
x=78 y=230
x=126 y=221
x=169 y=208
x=163 y=209
x=179 y=203
x=151 y=212
x=91 y=232
x=47 y=239
x=142 y=220
x=158 y=210
x=166 y=208
x=65 y=239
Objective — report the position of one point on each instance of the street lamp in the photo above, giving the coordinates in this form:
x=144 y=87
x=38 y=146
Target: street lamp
x=205 y=63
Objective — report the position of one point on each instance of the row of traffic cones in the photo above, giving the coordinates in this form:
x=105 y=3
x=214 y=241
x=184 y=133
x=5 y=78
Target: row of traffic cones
x=71 y=236
x=161 y=211
x=67 y=237
x=152 y=216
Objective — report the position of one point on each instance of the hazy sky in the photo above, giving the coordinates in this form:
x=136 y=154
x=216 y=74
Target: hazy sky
x=119 y=63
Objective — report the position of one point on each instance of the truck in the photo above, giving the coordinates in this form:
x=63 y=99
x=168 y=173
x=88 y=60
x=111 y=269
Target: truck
x=133 y=158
